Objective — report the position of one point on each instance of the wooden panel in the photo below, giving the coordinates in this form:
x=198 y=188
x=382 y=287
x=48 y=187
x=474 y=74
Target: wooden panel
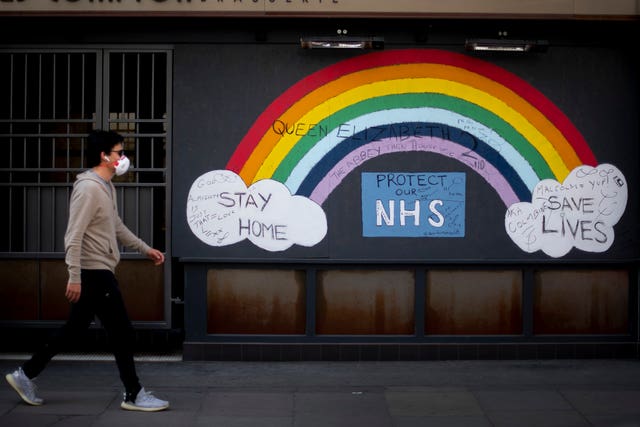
x=474 y=302
x=581 y=302
x=142 y=286
x=256 y=301
x=53 y=284
x=365 y=302
x=19 y=290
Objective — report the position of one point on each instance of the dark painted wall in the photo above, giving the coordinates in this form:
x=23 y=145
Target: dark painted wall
x=222 y=87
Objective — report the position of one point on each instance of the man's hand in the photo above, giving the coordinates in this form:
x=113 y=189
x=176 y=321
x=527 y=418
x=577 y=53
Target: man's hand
x=73 y=292
x=156 y=256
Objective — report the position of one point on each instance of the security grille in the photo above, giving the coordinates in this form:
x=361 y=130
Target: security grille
x=49 y=101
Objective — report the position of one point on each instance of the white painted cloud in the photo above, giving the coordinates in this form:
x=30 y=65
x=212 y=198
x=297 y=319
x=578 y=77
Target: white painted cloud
x=221 y=211
x=580 y=212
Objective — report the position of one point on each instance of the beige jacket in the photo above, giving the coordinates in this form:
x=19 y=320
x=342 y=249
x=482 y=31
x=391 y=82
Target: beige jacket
x=95 y=228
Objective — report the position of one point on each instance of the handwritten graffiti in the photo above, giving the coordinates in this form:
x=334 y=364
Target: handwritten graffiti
x=579 y=212
x=413 y=204
x=222 y=211
x=362 y=153
x=299 y=129
x=361 y=132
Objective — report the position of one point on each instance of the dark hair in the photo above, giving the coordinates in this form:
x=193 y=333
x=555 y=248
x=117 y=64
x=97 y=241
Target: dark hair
x=101 y=141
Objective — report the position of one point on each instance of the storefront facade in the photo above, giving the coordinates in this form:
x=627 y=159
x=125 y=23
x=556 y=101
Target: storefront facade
x=337 y=182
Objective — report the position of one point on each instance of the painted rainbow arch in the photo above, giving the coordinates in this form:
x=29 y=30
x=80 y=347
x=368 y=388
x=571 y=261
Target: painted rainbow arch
x=324 y=126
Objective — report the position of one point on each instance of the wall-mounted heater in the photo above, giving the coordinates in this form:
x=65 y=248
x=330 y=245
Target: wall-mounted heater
x=341 y=42
x=506 y=45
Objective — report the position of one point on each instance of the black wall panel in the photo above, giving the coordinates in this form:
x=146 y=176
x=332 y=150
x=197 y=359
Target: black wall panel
x=221 y=88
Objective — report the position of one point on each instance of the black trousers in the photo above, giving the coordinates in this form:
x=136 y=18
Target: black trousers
x=100 y=297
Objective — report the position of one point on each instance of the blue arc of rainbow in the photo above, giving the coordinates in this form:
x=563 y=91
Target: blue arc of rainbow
x=487 y=118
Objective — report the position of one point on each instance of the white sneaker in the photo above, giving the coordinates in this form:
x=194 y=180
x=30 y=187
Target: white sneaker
x=24 y=387
x=145 y=401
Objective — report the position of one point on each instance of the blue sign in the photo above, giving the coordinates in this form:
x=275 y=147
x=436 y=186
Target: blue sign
x=413 y=204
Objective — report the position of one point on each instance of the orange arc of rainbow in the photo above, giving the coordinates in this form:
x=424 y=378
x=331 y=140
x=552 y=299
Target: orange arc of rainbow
x=347 y=82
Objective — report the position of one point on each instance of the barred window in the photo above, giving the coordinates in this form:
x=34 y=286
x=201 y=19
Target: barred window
x=49 y=101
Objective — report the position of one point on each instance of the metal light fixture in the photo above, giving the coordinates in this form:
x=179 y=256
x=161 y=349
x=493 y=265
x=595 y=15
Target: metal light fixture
x=506 y=45
x=341 y=42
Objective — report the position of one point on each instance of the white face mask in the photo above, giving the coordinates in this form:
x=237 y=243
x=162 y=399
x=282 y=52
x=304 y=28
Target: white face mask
x=122 y=165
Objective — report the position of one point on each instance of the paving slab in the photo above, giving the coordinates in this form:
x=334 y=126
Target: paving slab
x=70 y=403
x=75 y=421
x=566 y=393
x=29 y=420
x=344 y=420
x=340 y=403
x=249 y=404
x=434 y=403
x=624 y=420
x=144 y=419
x=229 y=421
x=604 y=402
x=522 y=400
x=538 y=419
x=442 y=421
x=7 y=399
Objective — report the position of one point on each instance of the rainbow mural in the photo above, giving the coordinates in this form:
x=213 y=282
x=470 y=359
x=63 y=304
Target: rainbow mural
x=327 y=124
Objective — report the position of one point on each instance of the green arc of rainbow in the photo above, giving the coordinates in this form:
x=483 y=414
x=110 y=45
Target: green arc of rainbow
x=539 y=136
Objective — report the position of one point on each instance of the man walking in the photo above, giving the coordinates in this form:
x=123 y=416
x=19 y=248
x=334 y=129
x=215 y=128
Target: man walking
x=91 y=245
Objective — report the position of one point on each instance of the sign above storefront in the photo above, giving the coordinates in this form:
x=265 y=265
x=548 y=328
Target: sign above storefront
x=311 y=8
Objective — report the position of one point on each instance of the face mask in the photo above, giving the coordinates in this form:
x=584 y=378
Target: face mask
x=122 y=165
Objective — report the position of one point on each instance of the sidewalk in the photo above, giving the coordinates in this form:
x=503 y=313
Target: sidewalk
x=562 y=393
